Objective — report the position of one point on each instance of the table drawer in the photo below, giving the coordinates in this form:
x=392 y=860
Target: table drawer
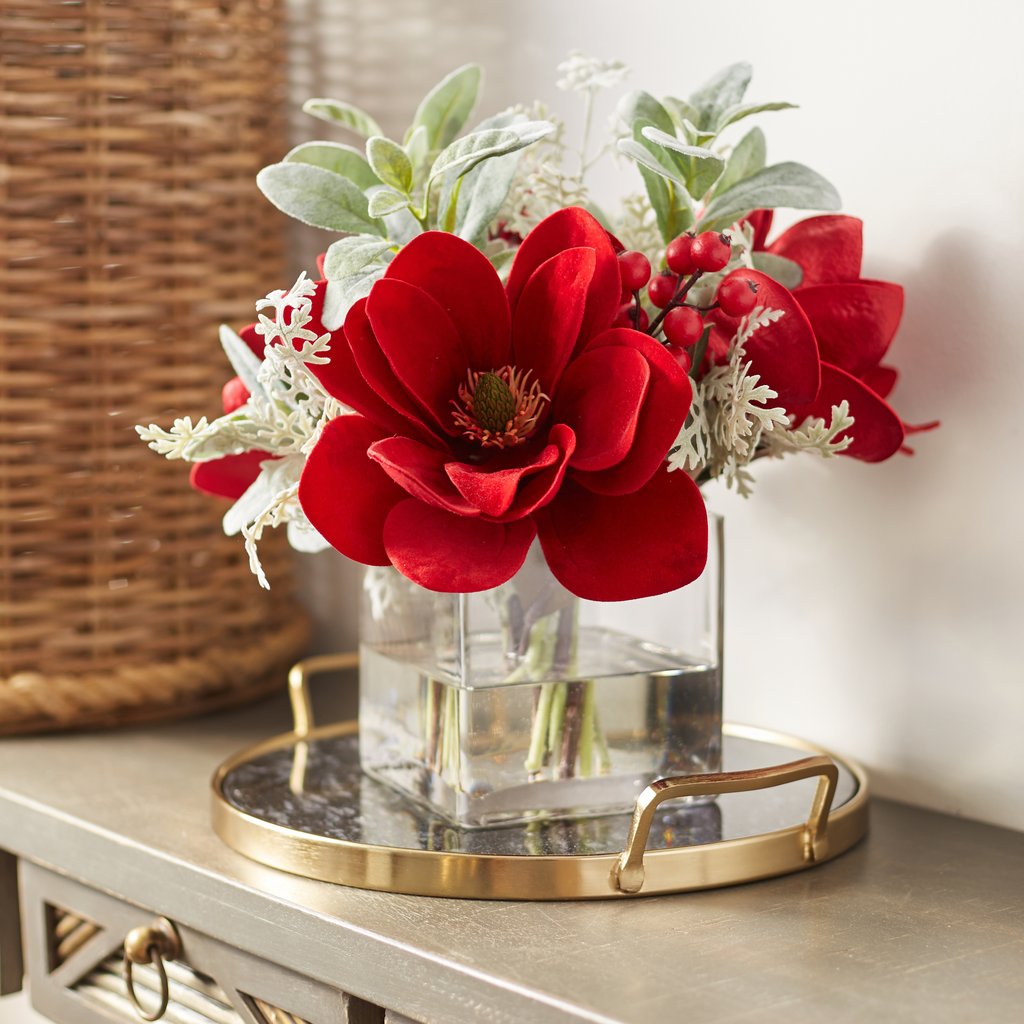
x=75 y=950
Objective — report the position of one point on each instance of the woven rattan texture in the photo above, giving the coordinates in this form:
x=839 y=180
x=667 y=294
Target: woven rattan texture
x=130 y=227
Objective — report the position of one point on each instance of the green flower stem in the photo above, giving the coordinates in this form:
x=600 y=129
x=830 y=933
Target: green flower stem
x=556 y=718
x=604 y=757
x=539 y=733
x=587 y=730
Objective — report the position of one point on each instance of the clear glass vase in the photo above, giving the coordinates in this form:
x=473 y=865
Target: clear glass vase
x=525 y=701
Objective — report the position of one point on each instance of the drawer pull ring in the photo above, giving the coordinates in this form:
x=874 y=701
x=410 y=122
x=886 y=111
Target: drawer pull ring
x=151 y=945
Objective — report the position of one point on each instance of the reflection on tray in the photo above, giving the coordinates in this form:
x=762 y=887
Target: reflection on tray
x=318 y=788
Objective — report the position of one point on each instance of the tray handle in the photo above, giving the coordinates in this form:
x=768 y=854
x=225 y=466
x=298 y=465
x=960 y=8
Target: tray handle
x=302 y=706
x=298 y=686
x=628 y=872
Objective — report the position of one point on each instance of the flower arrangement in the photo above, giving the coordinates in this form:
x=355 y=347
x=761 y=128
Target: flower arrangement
x=492 y=378
x=488 y=359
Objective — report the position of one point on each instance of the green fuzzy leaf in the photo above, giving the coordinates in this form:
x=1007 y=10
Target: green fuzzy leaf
x=401 y=227
x=317 y=197
x=742 y=110
x=723 y=90
x=747 y=158
x=386 y=201
x=645 y=158
x=446 y=108
x=703 y=167
x=341 y=295
x=642 y=106
x=390 y=163
x=348 y=116
x=351 y=255
x=483 y=190
x=482 y=195
x=789 y=185
x=680 y=111
x=465 y=153
x=502 y=261
x=333 y=156
x=665 y=187
x=685 y=118
x=417 y=147
x=787 y=272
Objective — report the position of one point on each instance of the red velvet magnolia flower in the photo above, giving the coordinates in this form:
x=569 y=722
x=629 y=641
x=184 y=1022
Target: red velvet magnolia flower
x=487 y=416
x=852 y=321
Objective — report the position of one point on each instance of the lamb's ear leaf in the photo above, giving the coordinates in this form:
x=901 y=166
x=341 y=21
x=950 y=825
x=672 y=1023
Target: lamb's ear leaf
x=318 y=197
x=344 y=114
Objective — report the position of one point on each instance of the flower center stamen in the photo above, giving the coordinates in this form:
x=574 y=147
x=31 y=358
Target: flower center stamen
x=498 y=408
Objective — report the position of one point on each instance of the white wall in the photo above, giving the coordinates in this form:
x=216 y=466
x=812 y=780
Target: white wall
x=871 y=608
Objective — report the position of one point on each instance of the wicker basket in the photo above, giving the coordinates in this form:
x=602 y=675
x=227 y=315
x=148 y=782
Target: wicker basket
x=130 y=227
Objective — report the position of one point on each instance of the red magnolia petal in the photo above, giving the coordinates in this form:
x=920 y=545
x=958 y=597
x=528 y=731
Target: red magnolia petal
x=761 y=222
x=422 y=346
x=345 y=495
x=619 y=548
x=229 y=477
x=453 y=554
x=511 y=492
x=320 y=264
x=420 y=471
x=828 y=248
x=233 y=395
x=881 y=380
x=549 y=313
x=463 y=282
x=600 y=397
x=854 y=321
x=662 y=414
x=367 y=383
x=253 y=340
x=877 y=430
x=567 y=229
x=784 y=354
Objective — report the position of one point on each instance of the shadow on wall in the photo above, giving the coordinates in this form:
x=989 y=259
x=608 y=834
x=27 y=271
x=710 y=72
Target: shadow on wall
x=959 y=570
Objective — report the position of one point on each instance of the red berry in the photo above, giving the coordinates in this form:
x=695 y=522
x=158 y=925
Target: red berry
x=624 y=318
x=711 y=251
x=737 y=294
x=634 y=270
x=683 y=326
x=662 y=288
x=681 y=356
x=625 y=296
x=677 y=255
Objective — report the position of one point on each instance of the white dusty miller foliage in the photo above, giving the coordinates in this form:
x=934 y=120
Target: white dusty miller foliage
x=732 y=420
x=286 y=411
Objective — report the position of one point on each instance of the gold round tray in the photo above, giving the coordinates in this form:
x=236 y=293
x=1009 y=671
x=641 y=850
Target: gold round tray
x=300 y=802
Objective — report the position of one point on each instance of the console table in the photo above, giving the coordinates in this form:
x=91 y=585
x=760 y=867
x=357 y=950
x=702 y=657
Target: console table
x=101 y=833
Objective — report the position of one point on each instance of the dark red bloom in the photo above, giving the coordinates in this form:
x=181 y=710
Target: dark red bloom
x=852 y=320
x=486 y=416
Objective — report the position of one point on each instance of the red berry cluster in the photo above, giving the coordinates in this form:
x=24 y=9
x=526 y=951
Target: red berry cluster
x=688 y=257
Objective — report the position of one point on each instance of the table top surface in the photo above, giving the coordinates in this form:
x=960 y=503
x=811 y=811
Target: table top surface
x=923 y=920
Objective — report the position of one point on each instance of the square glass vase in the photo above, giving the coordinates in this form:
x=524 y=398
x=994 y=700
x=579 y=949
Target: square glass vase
x=525 y=702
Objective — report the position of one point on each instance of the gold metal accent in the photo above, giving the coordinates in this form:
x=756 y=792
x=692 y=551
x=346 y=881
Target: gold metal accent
x=628 y=872
x=298 y=686
x=302 y=705
x=151 y=945
x=505 y=877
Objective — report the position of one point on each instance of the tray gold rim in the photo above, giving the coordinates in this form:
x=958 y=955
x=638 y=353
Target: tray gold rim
x=512 y=877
